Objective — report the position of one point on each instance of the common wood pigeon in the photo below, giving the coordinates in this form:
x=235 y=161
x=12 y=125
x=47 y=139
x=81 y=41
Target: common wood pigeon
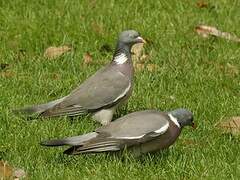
x=140 y=132
x=101 y=93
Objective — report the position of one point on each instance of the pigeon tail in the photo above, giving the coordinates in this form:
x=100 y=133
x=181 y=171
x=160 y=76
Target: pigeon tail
x=37 y=109
x=72 y=141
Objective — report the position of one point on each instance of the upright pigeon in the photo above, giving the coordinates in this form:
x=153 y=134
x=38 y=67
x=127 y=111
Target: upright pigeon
x=101 y=93
x=139 y=132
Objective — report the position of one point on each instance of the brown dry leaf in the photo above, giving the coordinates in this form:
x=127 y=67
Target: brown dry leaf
x=87 y=58
x=231 y=125
x=7 y=172
x=233 y=70
x=202 y=4
x=139 y=66
x=92 y=3
x=54 y=52
x=97 y=28
x=55 y=76
x=206 y=31
x=137 y=52
x=152 y=67
x=7 y=74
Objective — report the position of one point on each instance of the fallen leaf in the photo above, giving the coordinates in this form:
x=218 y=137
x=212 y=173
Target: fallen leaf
x=92 y=3
x=231 y=125
x=139 y=66
x=144 y=58
x=206 y=31
x=97 y=28
x=232 y=70
x=7 y=74
x=202 y=4
x=55 y=76
x=54 y=52
x=87 y=58
x=7 y=171
x=152 y=67
x=137 y=52
x=3 y=66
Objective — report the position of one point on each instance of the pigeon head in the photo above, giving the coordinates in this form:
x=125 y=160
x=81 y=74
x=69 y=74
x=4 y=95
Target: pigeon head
x=130 y=37
x=183 y=116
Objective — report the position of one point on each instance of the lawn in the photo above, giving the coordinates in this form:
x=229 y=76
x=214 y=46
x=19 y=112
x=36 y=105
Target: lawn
x=199 y=74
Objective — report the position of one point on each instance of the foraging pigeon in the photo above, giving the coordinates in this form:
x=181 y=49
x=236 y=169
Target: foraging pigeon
x=139 y=132
x=103 y=92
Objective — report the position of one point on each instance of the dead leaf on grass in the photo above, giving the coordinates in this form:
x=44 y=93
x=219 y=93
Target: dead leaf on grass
x=231 y=125
x=8 y=172
x=54 y=52
x=148 y=67
x=139 y=66
x=55 y=76
x=87 y=58
x=202 y=4
x=97 y=28
x=137 y=52
x=92 y=3
x=152 y=67
x=7 y=74
x=232 y=70
x=206 y=31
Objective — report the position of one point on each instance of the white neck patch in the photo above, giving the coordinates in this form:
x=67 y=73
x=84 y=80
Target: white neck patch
x=173 y=119
x=120 y=58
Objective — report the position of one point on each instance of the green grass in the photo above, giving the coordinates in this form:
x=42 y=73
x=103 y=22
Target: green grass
x=193 y=70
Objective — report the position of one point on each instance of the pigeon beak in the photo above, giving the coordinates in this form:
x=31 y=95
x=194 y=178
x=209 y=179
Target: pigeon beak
x=140 y=39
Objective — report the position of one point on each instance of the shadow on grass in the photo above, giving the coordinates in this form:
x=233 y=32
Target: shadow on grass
x=125 y=157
